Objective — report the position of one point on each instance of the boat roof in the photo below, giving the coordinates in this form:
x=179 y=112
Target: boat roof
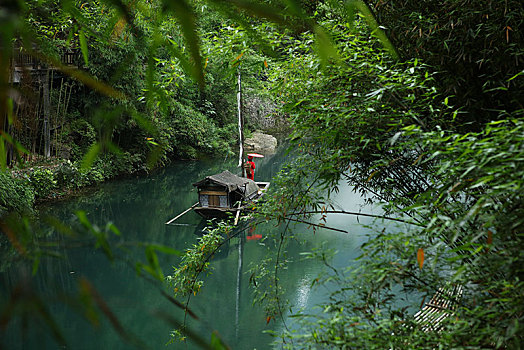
x=231 y=181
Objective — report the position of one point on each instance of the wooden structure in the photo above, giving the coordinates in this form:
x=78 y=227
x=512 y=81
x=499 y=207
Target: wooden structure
x=33 y=80
x=441 y=306
x=23 y=62
x=223 y=194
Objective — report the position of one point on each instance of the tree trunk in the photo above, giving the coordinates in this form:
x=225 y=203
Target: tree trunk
x=47 y=112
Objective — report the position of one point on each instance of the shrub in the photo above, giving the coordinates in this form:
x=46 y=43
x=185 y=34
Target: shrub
x=90 y=176
x=43 y=182
x=15 y=195
x=83 y=136
x=67 y=175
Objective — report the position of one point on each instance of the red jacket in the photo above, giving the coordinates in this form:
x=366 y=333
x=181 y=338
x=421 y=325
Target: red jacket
x=250 y=169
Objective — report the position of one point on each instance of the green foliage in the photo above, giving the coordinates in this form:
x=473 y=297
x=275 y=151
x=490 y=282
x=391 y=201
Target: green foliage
x=346 y=116
x=15 y=195
x=83 y=136
x=101 y=236
x=474 y=46
x=472 y=237
x=186 y=278
x=67 y=175
x=43 y=182
x=382 y=127
x=416 y=138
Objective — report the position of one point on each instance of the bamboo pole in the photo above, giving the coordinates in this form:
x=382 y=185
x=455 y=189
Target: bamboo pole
x=67 y=98
x=179 y=215
x=56 y=116
x=359 y=214
x=237 y=214
x=240 y=125
x=40 y=122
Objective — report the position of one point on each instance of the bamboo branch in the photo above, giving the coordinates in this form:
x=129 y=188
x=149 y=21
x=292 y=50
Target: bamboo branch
x=359 y=214
x=316 y=225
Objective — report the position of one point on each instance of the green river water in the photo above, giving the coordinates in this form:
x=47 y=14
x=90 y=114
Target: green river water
x=139 y=207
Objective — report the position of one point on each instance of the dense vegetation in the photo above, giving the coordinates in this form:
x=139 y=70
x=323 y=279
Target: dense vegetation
x=438 y=143
x=422 y=114
x=134 y=103
x=431 y=146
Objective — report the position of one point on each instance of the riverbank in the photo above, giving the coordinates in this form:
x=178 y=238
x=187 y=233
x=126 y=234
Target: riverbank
x=47 y=180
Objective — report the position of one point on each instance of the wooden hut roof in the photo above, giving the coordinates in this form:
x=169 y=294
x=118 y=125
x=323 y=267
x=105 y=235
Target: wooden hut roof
x=231 y=181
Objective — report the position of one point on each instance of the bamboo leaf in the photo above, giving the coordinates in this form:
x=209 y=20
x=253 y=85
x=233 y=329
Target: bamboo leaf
x=325 y=48
x=82 y=217
x=183 y=12
x=238 y=57
x=59 y=225
x=372 y=175
x=155 y=154
x=362 y=7
x=83 y=46
x=90 y=156
x=90 y=291
x=111 y=227
x=36 y=263
x=165 y=249
x=217 y=343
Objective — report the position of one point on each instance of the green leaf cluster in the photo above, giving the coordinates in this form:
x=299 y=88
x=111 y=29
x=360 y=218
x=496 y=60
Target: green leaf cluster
x=15 y=195
x=185 y=279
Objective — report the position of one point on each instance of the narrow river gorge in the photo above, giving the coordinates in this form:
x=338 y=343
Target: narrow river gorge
x=139 y=207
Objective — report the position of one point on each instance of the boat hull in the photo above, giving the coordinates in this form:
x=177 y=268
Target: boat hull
x=215 y=213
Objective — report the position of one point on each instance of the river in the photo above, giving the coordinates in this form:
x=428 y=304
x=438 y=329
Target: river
x=139 y=207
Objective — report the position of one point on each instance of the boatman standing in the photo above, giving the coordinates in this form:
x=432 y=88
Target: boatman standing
x=250 y=167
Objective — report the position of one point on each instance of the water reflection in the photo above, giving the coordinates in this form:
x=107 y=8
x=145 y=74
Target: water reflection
x=139 y=207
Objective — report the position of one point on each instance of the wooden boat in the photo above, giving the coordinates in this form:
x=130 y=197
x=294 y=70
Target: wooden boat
x=225 y=194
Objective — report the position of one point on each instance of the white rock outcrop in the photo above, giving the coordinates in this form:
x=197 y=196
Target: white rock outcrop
x=261 y=143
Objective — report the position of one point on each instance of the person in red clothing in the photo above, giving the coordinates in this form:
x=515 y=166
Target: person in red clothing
x=250 y=168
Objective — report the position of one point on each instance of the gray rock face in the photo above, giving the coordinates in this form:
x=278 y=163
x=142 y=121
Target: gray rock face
x=261 y=143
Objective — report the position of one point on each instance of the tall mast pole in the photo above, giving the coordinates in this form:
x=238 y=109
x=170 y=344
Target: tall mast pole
x=240 y=125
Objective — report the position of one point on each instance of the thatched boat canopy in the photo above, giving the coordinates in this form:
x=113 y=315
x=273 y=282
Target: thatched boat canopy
x=231 y=182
